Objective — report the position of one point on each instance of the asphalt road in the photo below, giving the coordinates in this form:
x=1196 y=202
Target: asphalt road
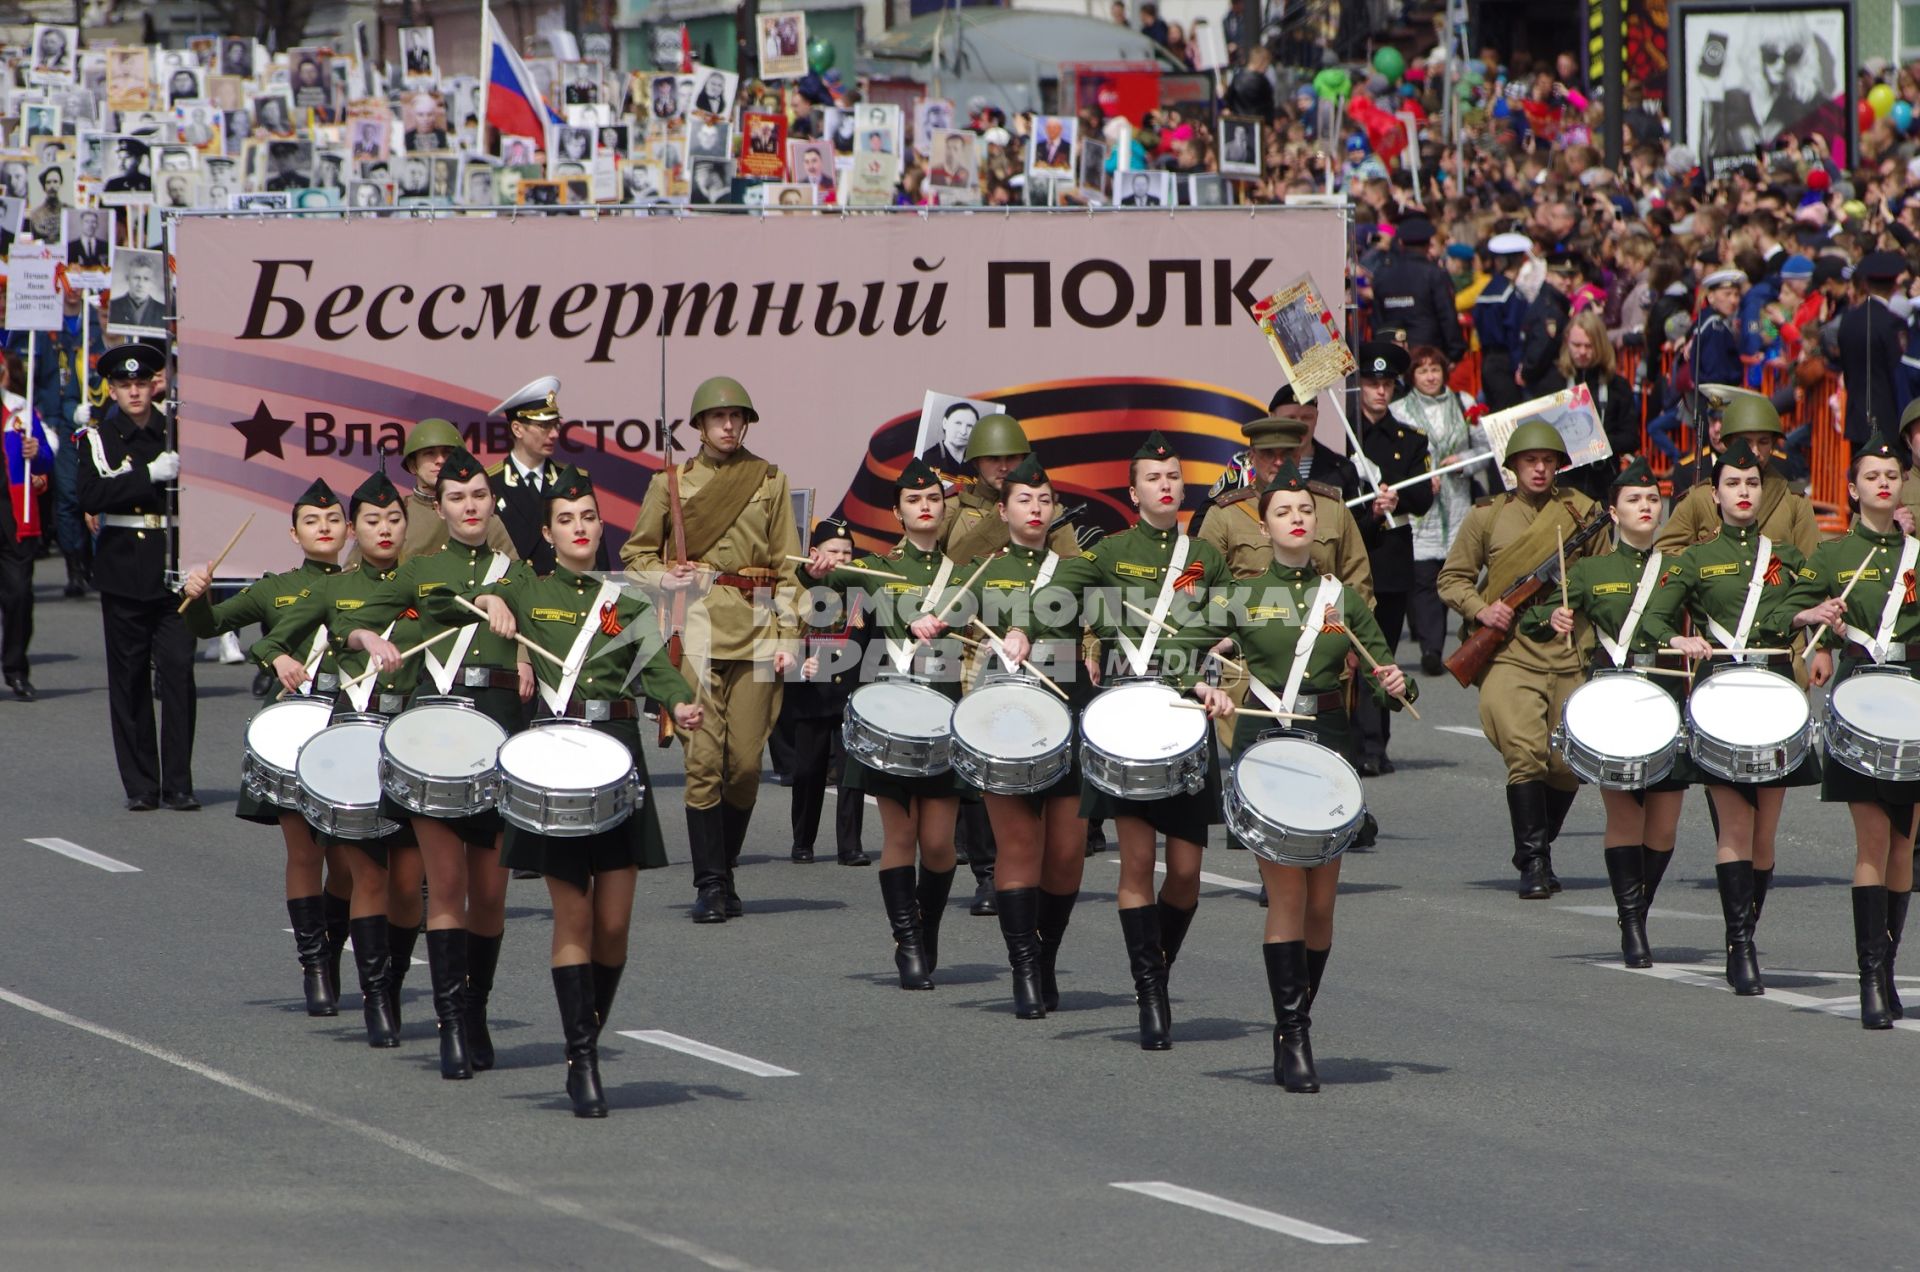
x=1498 y=1093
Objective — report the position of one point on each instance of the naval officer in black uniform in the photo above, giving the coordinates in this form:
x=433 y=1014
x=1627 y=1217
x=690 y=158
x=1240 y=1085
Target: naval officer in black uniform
x=521 y=481
x=1415 y=295
x=127 y=472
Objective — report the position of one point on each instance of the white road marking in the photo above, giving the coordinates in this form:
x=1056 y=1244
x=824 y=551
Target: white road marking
x=67 y=848
x=1217 y=880
x=700 y=1050
x=1267 y=1219
x=412 y=961
x=1461 y=729
x=1713 y=976
x=1608 y=912
x=399 y=1144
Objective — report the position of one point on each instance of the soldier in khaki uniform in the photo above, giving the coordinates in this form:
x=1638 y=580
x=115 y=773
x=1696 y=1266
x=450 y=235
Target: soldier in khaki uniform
x=1527 y=681
x=1784 y=516
x=1232 y=523
x=428 y=444
x=735 y=589
x=1908 y=511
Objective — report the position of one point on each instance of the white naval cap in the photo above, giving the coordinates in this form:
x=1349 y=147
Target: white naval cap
x=1723 y=278
x=1509 y=244
x=535 y=401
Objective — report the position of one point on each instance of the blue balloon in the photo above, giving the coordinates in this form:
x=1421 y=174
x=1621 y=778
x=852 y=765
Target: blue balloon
x=1902 y=113
x=1500 y=108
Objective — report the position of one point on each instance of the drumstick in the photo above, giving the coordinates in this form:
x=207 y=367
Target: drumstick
x=857 y=569
x=405 y=654
x=215 y=567
x=1731 y=653
x=1821 y=631
x=1561 y=532
x=524 y=642
x=1362 y=650
x=965 y=587
x=1171 y=630
x=1044 y=678
x=1184 y=705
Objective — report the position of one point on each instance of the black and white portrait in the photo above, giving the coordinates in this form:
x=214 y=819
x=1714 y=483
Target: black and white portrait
x=289 y=166
x=273 y=114
x=1742 y=77
x=366 y=194
x=330 y=172
x=175 y=190
x=1239 y=146
x=1207 y=190
x=53 y=53
x=580 y=83
x=640 y=183
x=712 y=90
x=783 y=45
x=186 y=84
x=236 y=56
x=414 y=180
x=307 y=76
x=419 y=65
x=259 y=201
x=443 y=178
x=518 y=152
x=946 y=426
x=87 y=241
x=708 y=139
x=712 y=181
x=571 y=145
x=1143 y=189
x=424 y=117
x=129 y=171
x=138 y=306
x=613 y=139
x=476 y=182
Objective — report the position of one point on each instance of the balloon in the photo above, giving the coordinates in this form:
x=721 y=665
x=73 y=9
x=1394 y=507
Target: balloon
x=1501 y=108
x=1389 y=63
x=1880 y=97
x=1866 y=116
x=820 y=54
x=1902 y=113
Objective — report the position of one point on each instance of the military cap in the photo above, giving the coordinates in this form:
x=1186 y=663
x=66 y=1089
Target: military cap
x=1287 y=478
x=1881 y=267
x=318 y=495
x=460 y=466
x=1285 y=396
x=1636 y=473
x=829 y=529
x=1910 y=416
x=1027 y=473
x=534 y=402
x=572 y=483
x=377 y=490
x=1155 y=447
x=1383 y=360
x=1414 y=231
x=1738 y=454
x=1534 y=434
x=917 y=476
x=1509 y=244
x=1881 y=449
x=132 y=362
x=1276 y=431
x=1723 y=278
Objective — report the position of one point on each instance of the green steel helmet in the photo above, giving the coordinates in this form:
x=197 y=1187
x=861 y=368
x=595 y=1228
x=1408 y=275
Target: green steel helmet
x=721 y=391
x=1535 y=434
x=1748 y=413
x=997 y=436
x=432 y=432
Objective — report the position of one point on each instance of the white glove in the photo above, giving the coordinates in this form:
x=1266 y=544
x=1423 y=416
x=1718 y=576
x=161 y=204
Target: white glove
x=165 y=468
x=83 y=415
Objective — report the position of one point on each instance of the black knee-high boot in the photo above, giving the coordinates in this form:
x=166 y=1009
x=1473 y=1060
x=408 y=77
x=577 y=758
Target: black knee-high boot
x=1896 y=924
x=339 y=913
x=1290 y=984
x=573 y=987
x=1527 y=814
x=1559 y=804
x=308 y=916
x=1736 y=905
x=1762 y=882
x=733 y=830
x=1623 y=872
x=1653 y=868
x=447 y=964
x=1174 y=923
x=932 y=893
x=1056 y=910
x=1148 y=957
x=903 y=916
x=606 y=983
x=707 y=846
x=400 y=943
x=373 y=960
x=483 y=956
x=1019 y=917
x=1870 y=952
x=1316 y=968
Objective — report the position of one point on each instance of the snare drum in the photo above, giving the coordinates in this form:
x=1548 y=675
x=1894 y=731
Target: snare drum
x=1012 y=737
x=339 y=772
x=1872 y=723
x=1137 y=745
x=566 y=778
x=900 y=727
x=438 y=758
x=1748 y=725
x=274 y=738
x=1293 y=802
x=1619 y=731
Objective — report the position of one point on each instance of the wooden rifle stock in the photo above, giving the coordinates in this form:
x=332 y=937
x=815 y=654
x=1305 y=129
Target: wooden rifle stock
x=1468 y=661
x=677 y=611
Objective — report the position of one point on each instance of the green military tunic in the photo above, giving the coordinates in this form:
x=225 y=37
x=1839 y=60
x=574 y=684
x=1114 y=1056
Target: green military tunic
x=971 y=526
x=427 y=531
x=1600 y=592
x=1875 y=559
x=1232 y=525
x=1709 y=582
x=624 y=647
x=1090 y=589
x=1784 y=517
x=891 y=607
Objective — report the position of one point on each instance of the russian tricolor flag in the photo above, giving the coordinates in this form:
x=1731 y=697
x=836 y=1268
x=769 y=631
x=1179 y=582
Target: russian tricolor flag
x=514 y=104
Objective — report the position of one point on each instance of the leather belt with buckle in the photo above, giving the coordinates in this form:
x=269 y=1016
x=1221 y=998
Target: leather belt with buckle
x=135 y=520
x=1315 y=703
x=489 y=678
x=326 y=682
x=595 y=710
x=390 y=703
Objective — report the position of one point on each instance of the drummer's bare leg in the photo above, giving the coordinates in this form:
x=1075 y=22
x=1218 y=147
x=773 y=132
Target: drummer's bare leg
x=897 y=831
x=1019 y=832
x=303 y=857
x=613 y=915
x=369 y=884
x=1663 y=820
x=934 y=820
x=572 y=922
x=445 y=859
x=1286 y=901
x=1626 y=820
x=1735 y=818
x=1766 y=823
x=405 y=874
x=1138 y=854
x=1065 y=858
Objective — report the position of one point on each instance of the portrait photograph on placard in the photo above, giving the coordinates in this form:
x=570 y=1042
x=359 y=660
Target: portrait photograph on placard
x=871 y=179
x=129 y=79
x=423 y=119
x=713 y=90
x=1239 y=146
x=129 y=172
x=763 y=143
x=1050 y=149
x=811 y=162
x=930 y=115
x=569 y=145
x=137 y=307
x=260 y=200
x=877 y=128
x=1300 y=329
x=419 y=63
x=236 y=57
x=838 y=127
x=185 y=84
x=1742 y=75
x=367 y=194
x=1208 y=190
x=273 y=114
x=1092 y=165
x=954 y=172
x=783 y=45
x=640 y=183
x=1143 y=189
x=55 y=53
x=580 y=83
x=712 y=182
x=201 y=127
x=308 y=78
x=785 y=195
x=87 y=235
x=614 y=140
x=946 y=425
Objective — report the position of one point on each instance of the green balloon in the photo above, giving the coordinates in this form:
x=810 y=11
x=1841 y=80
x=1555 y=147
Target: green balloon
x=1389 y=63
x=820 y=54
x=1333 y=82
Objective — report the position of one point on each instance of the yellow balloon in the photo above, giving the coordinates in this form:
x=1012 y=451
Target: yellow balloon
x=1880 y=97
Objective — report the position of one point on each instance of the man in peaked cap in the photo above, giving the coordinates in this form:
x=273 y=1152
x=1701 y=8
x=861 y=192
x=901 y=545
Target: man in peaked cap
x=1544 y=325
x=733 y=515
x=811 y=708
x=1499 y=312
x=1414 y=294
x=1872 y=351
x=127 y=475
x=521 y=481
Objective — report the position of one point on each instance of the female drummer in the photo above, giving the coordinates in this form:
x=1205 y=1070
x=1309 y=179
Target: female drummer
x=1727 y=587
x=1882 y=626
x=1269 y=632
x=386 y=871
x=466 y=885
x=319 y=917
x=1151 y=566
x=916 y=813
x=1042 y=837
x=1612 y=593
x=596 y=629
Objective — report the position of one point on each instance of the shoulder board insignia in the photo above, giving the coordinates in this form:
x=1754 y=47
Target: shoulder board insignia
x=500 y=470
x=1089 y=555
x=1484 y=501
x=1810 y=574
x=1236 y=495
x=281 y=602
x=1326 y=490
x=427 y=587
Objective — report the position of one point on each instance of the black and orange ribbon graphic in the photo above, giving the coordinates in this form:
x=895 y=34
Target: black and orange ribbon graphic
x=1773 y=572
x=1330 y=622
x=1184 y=581
x=1908 y=579
x=609 y=621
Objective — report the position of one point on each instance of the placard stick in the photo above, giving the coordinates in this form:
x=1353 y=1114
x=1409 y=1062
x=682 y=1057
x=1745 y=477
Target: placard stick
x=215 y=567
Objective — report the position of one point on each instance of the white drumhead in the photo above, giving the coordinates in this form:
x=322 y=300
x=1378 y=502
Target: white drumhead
x=444 y=741
x=1880 y=705
x=909 y=711
x=340 y=765
x=1012 y=721
x=277 y=733
x=1748 y=706
x=564 y=757
x=1299 y=784
x=1622 y=716
x=1140 y=722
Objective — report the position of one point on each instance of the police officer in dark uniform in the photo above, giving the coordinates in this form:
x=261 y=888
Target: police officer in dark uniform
x=1414 y=294
x=1398 y=452
x=1872 y=345
x=126 y=478
x=811 y=707
x=1498 y=313
x=521 y=481
x=1545 y=324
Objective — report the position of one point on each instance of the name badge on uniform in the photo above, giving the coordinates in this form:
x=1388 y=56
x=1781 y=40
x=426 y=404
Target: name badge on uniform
x=348 y=605
x=1865 y=572
x=1133 y=571
x=545 y=615
x=1283 y=613
x=1611 y=589
x=281 y=602
x=1719 y=571
x=427 y=587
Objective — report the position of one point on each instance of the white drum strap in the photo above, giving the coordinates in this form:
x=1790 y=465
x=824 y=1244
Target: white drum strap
x=361 y=694
x=1138 y=656
x=1323 y=599
x=556 y=698
x=1737 y=639
x=1622 y=649
x=1890 y=609
x=315 y=652
x=1041 y=578
x=442 y=672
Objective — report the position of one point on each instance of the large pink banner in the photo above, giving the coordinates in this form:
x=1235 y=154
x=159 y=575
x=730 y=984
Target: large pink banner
x=305 y=345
